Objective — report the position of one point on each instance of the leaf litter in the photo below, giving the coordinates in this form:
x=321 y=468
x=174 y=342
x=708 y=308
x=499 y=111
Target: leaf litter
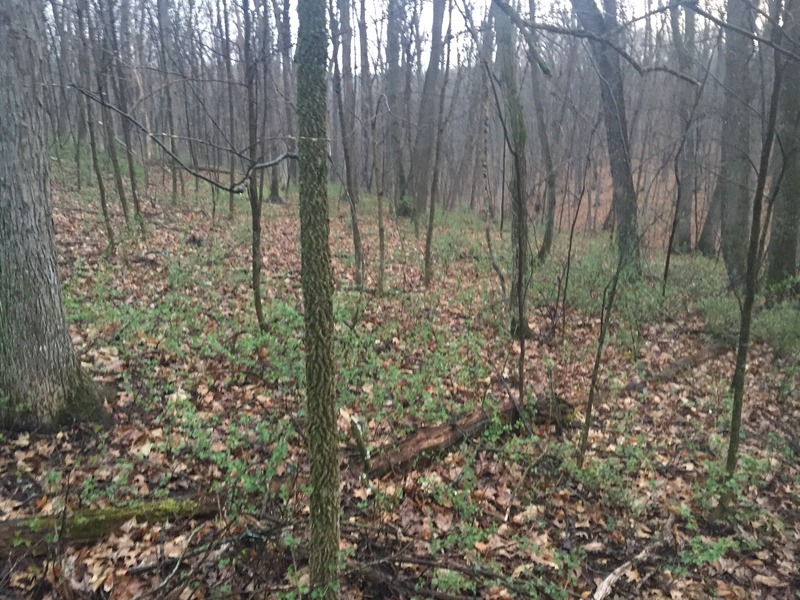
x=208 y=406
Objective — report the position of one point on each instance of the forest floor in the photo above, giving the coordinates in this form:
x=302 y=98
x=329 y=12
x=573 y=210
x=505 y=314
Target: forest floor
x=211 y=408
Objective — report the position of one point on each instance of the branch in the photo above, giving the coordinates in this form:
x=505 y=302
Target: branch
x=517 y=20
x=744 y=32
x=236 y=188
x=588 y=35
x=604 y=589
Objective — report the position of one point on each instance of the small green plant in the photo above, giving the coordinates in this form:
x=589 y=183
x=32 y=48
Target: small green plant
x=453 y=582
x=405 y=207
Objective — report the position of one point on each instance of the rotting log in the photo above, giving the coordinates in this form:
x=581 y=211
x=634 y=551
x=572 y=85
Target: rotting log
x=680 y=365
x=439 y=438
x=34 y=534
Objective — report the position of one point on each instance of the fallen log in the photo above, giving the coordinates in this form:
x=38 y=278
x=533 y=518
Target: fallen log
x=35 y=534
x=679 y=366
x=438 y=438
x=441 y=437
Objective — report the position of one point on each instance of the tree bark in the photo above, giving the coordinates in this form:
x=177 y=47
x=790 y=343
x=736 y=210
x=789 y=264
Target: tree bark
x=120 y=84
x=253 y=147
x=396 y=180
x=317 y=282
x=684 y=42
x=426 y=122
x=41 y=383
x=516 y=139
x=346 y=105
x=732 y=190
x=782 y=249
x=82 y=8
x=624 y=205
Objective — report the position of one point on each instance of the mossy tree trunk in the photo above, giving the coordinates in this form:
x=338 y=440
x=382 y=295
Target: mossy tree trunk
x=317 y=283
x=41 y=383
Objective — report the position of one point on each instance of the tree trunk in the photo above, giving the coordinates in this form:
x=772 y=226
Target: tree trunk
x=684 y=49
x=426 y=122
x=707 y=242
x=120 y=83
x=751 y=267
x=81 y=9
x=346 y=104
x=366 y=95
x=396 y=180
x=516 y=139
x=544 y=144
x=732 y=190
x=226 y=46
x=287 y=78
x=624 y=203
x=254 y=189
x=782 y=250
x=41 y=383
x=317 y=282
x=103 y=62
x=437 y=154
x=163 y=29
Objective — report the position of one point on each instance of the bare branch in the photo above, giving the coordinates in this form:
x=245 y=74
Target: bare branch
x=236 y=188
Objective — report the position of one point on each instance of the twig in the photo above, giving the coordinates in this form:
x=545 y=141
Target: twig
x=236 y=188
x=604 y=589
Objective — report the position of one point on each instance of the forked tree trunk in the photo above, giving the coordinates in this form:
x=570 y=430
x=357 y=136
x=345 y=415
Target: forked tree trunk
x=41 y=384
